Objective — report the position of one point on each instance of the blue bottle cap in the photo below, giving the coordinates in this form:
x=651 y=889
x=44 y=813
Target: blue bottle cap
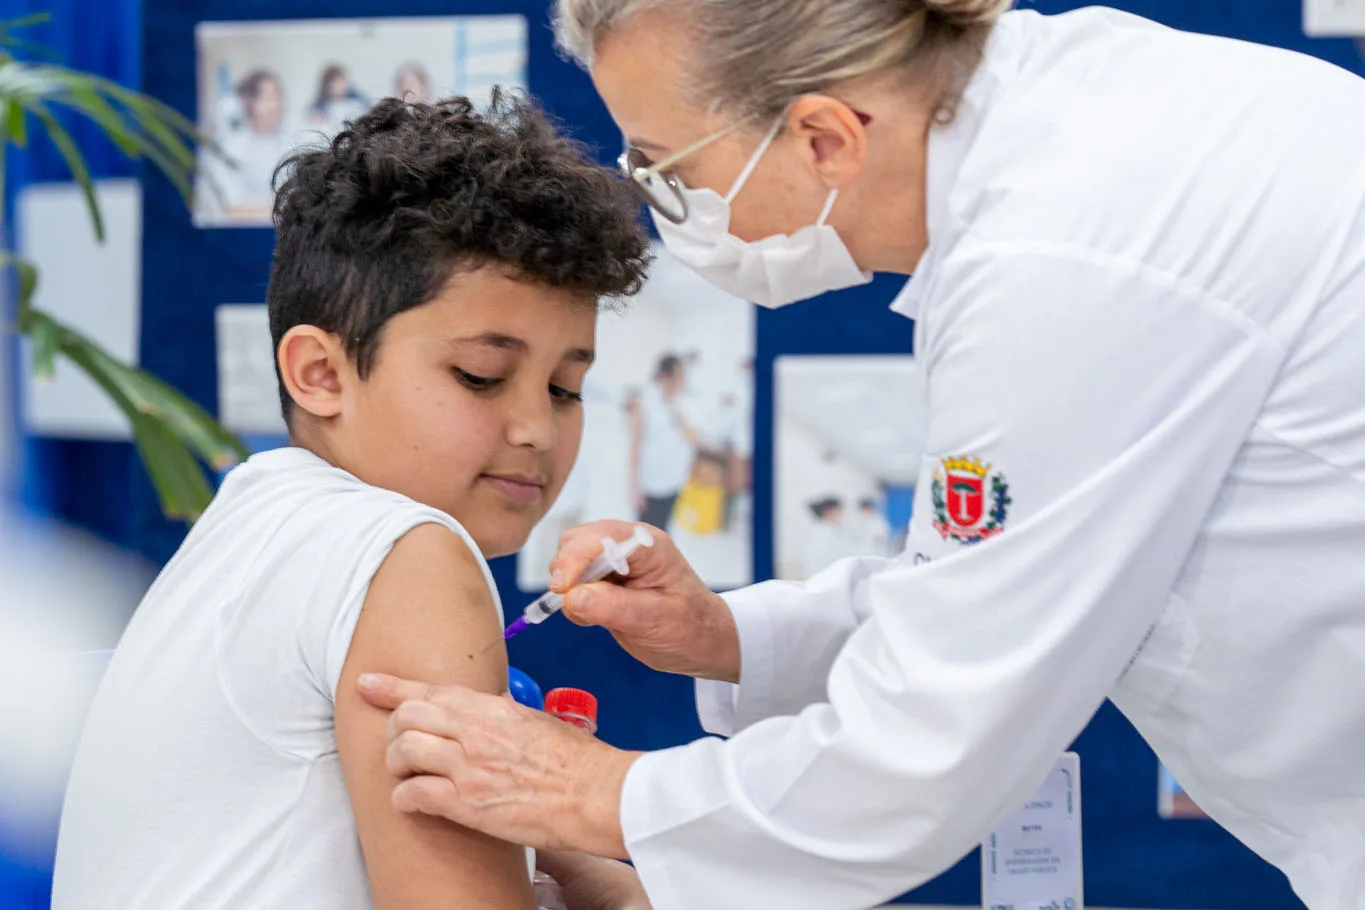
x=524 y=689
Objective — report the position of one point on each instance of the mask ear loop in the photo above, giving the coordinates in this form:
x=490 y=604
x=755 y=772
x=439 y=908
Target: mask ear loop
x=754 y=160
x=829 y=206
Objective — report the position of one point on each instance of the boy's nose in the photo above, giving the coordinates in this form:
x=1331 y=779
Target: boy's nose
x=532 y=423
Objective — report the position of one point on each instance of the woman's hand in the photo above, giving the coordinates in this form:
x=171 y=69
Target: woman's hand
x=590 y=883
x=662 y=613
x=487 y=763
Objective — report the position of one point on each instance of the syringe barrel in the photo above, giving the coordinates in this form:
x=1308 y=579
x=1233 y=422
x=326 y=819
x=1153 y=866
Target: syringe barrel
x=543 y=607
x=615 y=555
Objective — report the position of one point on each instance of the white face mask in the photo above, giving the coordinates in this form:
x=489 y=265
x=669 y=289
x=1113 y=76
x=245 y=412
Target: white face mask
x=772 y=272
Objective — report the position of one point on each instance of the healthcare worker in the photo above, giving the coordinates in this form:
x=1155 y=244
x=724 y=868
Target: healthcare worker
x=1138 y=261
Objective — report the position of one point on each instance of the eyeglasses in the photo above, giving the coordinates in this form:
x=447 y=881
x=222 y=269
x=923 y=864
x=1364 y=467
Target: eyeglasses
x=660 y=188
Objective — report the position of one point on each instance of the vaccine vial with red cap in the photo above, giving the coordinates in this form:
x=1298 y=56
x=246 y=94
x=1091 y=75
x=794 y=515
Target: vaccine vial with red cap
x=573 y=706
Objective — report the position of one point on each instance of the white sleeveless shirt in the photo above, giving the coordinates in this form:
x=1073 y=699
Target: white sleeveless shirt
x=207 y=776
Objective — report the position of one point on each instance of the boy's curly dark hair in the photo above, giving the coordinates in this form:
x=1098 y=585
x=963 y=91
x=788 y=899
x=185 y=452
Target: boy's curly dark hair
x=376 y=222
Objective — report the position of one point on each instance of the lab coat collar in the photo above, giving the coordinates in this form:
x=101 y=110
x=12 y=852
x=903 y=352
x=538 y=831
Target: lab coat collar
x=949 y=146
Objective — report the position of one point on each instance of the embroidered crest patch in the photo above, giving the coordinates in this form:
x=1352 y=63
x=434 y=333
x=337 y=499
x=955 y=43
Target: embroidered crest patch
x=960 y=490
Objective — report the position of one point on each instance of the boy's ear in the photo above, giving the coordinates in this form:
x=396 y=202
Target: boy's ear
x=312 y=363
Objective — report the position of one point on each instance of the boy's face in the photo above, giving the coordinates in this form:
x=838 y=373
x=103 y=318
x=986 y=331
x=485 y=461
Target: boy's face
x=473 y=404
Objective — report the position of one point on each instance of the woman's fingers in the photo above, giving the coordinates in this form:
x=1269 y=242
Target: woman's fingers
x=580 y=545
x=487 y=763
x=430 y=795
x=414 y=752
x=424 y=716
x=622 y=610
x=388 y=692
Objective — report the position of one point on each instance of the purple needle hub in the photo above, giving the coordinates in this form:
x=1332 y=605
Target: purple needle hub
x=518 y=625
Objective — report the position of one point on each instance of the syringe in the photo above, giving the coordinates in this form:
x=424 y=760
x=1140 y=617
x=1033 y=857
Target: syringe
x=614 y=559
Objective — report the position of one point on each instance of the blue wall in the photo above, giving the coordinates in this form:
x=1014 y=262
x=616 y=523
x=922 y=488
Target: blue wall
x=1132 y=858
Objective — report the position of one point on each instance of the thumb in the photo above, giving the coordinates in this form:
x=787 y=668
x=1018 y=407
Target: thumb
x=602 y=603
x=388 y=692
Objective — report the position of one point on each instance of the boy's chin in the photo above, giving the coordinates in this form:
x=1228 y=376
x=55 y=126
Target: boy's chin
x=504 y=540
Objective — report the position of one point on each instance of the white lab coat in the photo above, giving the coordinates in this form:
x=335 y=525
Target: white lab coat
x=1142 y=311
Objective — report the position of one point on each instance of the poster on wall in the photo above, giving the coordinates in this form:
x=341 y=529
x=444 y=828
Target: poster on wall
x=848 y=441
x=86 y=281
x=668 y=428
x=248 y=388
x=267 y=88
x=1334 y=18
x=1172 y=800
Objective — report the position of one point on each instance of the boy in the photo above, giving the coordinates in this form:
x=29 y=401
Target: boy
x=433 y=304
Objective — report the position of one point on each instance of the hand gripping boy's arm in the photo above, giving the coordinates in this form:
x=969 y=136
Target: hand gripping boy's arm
x=428 y=615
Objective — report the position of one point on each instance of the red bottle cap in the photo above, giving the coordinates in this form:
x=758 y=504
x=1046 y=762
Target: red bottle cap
x=571 y=701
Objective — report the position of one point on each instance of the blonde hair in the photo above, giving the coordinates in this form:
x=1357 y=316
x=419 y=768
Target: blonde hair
x=756 y=56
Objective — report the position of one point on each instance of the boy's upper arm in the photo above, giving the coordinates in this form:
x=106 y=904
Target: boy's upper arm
x=428 y=615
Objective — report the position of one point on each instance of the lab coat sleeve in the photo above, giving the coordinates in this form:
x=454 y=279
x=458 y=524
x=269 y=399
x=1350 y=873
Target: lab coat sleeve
x=789 y=635
x=1111 y=402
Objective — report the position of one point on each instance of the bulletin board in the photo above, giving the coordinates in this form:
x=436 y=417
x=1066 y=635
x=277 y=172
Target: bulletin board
x=1133 y=858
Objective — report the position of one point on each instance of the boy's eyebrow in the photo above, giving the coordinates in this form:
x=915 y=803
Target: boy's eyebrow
x=499 y=340
x=505 y=342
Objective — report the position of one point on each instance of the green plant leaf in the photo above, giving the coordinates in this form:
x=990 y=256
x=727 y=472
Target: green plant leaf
x=71 y=153
x=28 y=279
x=145 y=104
x=165 y=129
x=213 y=443
x=168 y=429
x=173 y=485
x=180 y=483
x=24 y=82
x=171 y=137
x=133 y=142
x=177 y=147
x=155 y=398
x=86 y=100
x=15 y=124
x=45 y=336
x=10 y=25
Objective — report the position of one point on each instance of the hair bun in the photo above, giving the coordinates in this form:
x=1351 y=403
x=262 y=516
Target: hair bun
x=967 y=13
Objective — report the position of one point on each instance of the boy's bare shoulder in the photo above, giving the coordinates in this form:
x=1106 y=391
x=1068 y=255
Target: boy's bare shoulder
x=429 y=612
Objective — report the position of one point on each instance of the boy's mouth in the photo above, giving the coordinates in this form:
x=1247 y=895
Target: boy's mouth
x=517 y=487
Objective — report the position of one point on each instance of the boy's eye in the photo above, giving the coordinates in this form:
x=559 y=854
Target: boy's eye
x=564 y=394
x=477 y=383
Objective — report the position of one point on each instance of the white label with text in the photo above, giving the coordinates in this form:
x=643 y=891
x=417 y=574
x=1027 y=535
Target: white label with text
x=1033 y=860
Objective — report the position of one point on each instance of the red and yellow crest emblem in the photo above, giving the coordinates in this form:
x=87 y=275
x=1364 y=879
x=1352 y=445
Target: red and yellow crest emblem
x=961 y=489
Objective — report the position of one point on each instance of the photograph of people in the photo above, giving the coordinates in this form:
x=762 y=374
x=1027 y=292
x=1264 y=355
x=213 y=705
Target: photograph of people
x=412 y=83
x=828 y=539
x=255 y=144
x=337 y=101
x=663 y=444
x=872 y=528
x=848 y=439
x=669 y=440
x=266 y=88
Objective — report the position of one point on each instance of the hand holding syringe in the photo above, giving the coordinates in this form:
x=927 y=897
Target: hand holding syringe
x=614 y=560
